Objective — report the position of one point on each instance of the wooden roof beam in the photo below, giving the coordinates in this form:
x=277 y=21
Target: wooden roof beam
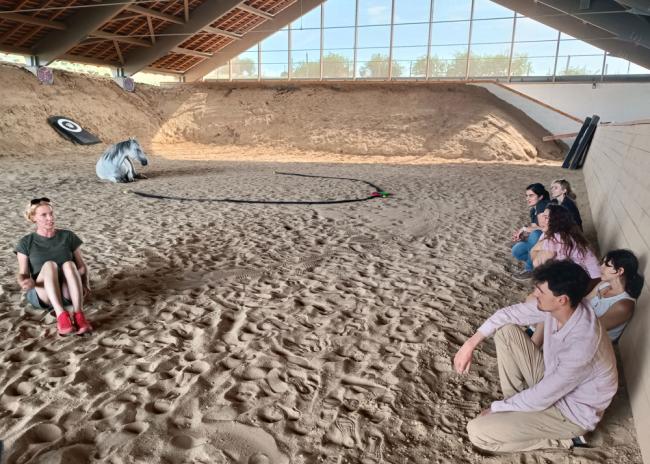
x=26 y=19
x=128 y=17
x=120 y=38
x=155 y=14
x=216 y=30
x=79 y=26
x=152 y=32
x=88 y=60
x=256 y=35
x=13 y=49
x=118 y=51
x=255 y=11
x=202 y=16
x=187 y=51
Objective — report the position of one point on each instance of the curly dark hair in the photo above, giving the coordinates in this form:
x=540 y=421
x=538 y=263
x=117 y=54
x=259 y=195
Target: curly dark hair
x=564 y=277
x=560 y=221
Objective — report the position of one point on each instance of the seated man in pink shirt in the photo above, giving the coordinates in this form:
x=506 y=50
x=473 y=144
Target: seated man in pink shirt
x=553 y=396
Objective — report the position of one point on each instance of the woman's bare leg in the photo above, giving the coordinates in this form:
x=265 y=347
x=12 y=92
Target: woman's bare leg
x=73 y=285
x=48 y=287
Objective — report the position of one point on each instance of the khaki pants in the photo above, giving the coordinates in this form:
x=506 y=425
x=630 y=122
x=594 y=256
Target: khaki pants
x=521 y=365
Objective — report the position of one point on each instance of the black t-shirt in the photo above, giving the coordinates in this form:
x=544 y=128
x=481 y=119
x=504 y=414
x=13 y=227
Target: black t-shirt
x=569 y=204
x=535 y=210
x=39 y=249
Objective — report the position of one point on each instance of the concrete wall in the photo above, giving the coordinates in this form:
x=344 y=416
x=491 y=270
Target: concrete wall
x=563 y=103
x=617 y=177
x=613 y=101
x=552 y=121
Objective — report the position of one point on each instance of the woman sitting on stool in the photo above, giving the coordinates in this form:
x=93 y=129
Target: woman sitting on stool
x=51 y=269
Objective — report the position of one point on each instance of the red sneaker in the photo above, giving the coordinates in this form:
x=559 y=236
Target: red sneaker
x=83 y=326
x=64 y=324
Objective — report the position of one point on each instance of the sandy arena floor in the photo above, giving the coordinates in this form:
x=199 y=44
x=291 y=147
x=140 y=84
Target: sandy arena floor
x=229 y=333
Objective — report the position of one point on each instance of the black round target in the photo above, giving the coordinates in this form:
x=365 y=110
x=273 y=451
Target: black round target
x=72 y=131
x=68 y=125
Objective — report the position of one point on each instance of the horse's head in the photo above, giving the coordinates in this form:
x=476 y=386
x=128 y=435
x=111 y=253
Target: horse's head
x=135 y=152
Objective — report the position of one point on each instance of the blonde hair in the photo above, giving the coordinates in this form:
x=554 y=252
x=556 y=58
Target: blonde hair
x=31 y=209
x=566 y=186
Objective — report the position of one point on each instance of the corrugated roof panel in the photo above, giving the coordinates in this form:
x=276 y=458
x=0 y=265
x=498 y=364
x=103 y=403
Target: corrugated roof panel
x=206 y=42
x=131 y=24
x=270 y=6
x=176 y=62
x=238 y=21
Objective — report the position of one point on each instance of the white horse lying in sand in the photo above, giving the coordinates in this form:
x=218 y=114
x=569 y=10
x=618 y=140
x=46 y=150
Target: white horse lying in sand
x=115 y=164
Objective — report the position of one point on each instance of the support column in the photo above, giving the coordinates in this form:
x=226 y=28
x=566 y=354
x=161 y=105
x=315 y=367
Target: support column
x=427 y=72
x=322 y=38
x=356 y=40
x=557 y=52
x=120 y=78
x=259 y=61
x=289 y=44
x=44 y=74
x=512 y=45
x=469 y=41
x=390 y=46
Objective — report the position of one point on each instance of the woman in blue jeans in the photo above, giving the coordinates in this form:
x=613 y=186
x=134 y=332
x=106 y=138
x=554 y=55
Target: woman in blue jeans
x=537 y=197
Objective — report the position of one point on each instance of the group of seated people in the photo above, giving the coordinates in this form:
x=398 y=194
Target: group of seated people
x=556 y=383
x=538 y=199
x=555 y=232
x=558 y=379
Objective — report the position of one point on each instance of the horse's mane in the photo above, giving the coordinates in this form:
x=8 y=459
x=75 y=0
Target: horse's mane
x=118 y=149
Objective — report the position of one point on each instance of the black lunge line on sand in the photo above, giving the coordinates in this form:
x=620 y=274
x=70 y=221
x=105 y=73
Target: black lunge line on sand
x=378 y=193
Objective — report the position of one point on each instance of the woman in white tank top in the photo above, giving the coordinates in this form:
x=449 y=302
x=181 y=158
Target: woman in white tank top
x=613 y=299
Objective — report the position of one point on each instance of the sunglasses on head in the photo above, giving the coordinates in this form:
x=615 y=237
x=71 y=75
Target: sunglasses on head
x=37 y=201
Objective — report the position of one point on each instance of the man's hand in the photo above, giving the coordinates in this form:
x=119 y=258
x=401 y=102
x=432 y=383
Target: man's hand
x=485 y=412
x=463 y=359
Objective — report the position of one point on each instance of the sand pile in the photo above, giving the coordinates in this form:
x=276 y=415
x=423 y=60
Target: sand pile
x=420 y=123
x=443 y=121
x=97 y=104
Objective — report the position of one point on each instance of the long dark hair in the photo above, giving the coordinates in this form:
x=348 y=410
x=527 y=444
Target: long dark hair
x=560 y=221
x=539 y=190
x=625 y=259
